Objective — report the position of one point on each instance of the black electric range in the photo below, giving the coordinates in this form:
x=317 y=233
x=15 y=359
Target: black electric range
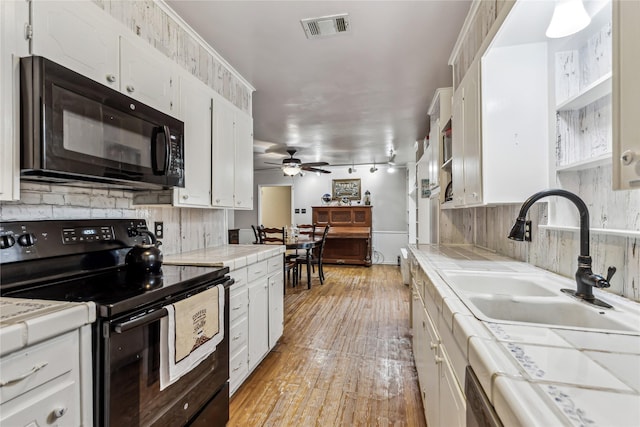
x=84 y=260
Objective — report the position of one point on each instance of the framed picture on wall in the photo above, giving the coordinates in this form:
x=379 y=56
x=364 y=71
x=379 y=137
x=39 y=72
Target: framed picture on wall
x=349 y=188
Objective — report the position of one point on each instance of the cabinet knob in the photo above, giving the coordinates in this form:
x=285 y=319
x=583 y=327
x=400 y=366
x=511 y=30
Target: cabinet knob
x=130 y=89
x=217 y=200
x=438 y=360
x=59 y=412
x=433 y=345
x=185 y=197
x=628 y=157
x=111 y=78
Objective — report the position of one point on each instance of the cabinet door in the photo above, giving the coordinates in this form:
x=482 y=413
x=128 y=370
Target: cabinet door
x=276 y=308
x=148 y=76
x=258 y=321
x=626 y=102
x=457 y=148
x=243 y=178
x=223 y=158
x=452 y=401
x=13 y=15
x=472 y=147
x=76 y=35
x=430 y=384
x=195 y=108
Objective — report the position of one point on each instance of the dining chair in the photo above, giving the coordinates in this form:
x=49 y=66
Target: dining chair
x=271 y=235
x=255 y=234
x=315 y=257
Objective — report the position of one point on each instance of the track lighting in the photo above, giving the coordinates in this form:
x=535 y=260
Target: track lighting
x=352 y=169
x=373 y=168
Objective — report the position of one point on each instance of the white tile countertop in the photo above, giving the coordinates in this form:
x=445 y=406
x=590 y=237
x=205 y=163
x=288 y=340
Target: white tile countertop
x=24 y=322
x=538 y=374
x=232 y=256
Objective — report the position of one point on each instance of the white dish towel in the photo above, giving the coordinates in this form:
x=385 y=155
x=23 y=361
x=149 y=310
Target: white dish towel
x=190 y=333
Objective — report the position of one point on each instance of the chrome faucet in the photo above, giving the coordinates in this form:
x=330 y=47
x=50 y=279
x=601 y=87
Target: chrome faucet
x=586 y=280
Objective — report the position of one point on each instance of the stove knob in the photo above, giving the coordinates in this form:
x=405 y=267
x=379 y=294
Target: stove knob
x=27 y=239
x=7 y=241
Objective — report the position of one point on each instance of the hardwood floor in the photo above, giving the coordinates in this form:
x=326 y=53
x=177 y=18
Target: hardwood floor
x=345 y=358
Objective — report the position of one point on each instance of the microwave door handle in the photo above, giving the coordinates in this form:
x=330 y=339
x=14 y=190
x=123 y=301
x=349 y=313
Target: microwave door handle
x=154 y=149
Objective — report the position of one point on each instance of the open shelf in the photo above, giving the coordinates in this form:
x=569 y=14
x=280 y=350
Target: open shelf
x=591 y=93
x=602 y=160
x=602 y=231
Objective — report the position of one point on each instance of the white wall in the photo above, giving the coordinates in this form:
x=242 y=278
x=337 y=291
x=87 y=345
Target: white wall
x=388 y=198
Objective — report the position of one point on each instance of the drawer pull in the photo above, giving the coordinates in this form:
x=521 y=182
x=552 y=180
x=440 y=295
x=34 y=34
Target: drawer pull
x=237 y=307
x=236 y=338
x=58 y=413
x=25 y=375
x=237 y=368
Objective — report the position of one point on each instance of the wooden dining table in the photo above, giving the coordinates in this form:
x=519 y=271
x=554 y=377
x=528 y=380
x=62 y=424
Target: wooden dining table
x=307 y=243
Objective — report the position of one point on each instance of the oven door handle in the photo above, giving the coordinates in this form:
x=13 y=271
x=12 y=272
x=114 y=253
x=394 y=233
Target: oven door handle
x=139 y=321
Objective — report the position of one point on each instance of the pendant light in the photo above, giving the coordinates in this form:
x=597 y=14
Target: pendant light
x=569 y=17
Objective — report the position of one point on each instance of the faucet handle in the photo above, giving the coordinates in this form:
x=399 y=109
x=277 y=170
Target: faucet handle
x=610 y=272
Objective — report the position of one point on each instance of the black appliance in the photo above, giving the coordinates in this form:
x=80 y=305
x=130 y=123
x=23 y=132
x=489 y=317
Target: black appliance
x=84 y=260
x=76 y=130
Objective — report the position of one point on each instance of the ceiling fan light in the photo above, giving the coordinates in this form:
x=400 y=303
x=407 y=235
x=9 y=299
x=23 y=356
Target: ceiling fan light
x=291 y=169
x=569 y=17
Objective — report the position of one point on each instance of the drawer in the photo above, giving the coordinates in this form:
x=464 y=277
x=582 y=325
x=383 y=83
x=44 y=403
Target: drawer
x=274 y=264
x=238 y=334
x=257 y=271
x=240 y=277
x=238 y=303
x=238 y=369
x=56 y=404
x=32 y=366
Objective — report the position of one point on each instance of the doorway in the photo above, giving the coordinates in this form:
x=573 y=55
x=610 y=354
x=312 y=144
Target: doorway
x=274 y=205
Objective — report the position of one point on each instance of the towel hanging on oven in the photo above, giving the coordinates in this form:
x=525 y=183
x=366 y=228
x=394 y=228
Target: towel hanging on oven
x=190 y=333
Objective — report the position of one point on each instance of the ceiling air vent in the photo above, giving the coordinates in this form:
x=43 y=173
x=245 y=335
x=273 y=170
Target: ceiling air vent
x=324 y=26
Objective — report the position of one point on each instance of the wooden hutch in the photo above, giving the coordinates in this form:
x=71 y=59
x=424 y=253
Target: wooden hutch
x=349 y=238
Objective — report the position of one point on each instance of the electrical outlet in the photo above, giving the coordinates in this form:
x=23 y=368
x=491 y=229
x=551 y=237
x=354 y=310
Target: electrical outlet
x=158 y=229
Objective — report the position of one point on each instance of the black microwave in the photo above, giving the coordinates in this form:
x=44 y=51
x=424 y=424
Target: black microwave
x=75 y=130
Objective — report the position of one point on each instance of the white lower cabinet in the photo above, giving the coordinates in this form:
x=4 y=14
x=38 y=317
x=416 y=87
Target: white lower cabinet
x=258 y=321
x=442 y=395
x=256 y=316
x=44 y=384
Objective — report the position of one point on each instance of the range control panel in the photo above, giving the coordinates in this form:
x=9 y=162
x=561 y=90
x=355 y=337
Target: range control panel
x=76 y=235
x=21 y=241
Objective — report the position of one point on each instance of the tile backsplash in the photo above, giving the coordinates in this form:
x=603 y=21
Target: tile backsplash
x=185 y=229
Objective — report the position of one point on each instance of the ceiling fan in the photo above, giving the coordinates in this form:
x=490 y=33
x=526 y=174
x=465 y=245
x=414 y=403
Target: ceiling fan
x=293 y=166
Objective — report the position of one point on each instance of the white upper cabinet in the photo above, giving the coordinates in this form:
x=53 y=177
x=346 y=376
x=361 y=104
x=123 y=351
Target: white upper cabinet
x=626 y=95
x=85 y=39
x=196 y=109
x=147 y=76
x=13 y=45
x=439 y=116
x=232 y=174
x=79 y=36
x=222 y=181
x=243 y=177
x=466 y=139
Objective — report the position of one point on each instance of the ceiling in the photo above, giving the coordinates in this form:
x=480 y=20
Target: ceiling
x=348 y=98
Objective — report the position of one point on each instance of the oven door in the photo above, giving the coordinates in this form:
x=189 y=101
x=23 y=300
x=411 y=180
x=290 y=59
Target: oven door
x=129 y=394
x=73 y=125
